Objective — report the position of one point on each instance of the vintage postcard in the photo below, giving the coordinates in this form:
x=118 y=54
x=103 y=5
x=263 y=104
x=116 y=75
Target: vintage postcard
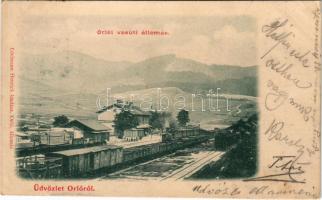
x=161 y=99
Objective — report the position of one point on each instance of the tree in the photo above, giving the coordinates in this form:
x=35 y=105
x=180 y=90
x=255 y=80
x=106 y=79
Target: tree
x=157 y=120
x=183 y=117
x=60 y=121
x=125 y=120
x=172 y=125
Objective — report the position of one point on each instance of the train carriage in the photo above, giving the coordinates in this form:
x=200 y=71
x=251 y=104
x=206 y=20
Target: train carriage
x=39 y=167
x=119 y=155
x=77 y=162
x=113 y=158
x=81 y=161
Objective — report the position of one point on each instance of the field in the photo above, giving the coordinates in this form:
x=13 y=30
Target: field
x=216 y=112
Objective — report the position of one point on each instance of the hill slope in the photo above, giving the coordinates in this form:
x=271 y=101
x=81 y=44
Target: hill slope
x=70 y=82
x=76 y=72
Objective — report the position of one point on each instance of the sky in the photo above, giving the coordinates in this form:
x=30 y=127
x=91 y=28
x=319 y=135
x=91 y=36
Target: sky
x=227 y=40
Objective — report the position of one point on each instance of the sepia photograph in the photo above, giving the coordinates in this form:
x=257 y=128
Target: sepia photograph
x=161 y=99
x=173 y=102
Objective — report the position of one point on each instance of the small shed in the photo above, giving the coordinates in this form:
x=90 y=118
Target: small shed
x=23 y=140
x=52 y=138
x=134 y=134
x=92 y=130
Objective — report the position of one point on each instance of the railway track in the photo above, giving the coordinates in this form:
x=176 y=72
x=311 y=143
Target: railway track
x=126 y=169
x=193 y=167
x=181 y=173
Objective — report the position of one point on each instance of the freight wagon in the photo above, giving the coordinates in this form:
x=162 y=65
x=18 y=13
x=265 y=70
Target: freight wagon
x=135 y=153
x=144 y=151
x=80 y=162
x=85 y=160
x=186 y=132
x=39 y=167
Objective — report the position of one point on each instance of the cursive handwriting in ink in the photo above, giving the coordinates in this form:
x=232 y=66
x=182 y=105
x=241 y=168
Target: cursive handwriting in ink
x=305 y=111
x=288 y=167
x=270 y=31
x=316 y=53
x=283 y=69
x=275 y=32
x=220 y=189
x=260 y=190
x=275 y=98
x=274 y=133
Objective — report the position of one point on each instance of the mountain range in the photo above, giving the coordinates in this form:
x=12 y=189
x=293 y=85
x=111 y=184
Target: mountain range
x=76 y=72
x=69 y=82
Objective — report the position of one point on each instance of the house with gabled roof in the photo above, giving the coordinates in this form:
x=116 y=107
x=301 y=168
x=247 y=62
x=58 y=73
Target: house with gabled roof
x=107 y=114
x=90 y=130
